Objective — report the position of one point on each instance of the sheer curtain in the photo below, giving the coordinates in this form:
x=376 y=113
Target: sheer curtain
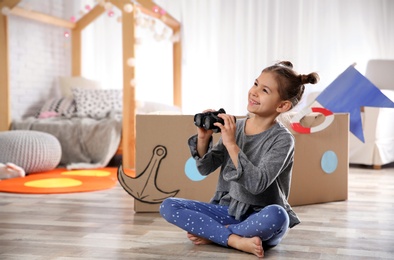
x=102 y=51
x=226 y=44
x=102 y=56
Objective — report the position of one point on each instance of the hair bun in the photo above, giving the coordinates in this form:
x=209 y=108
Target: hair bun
x=311 y=78
x=285 y=63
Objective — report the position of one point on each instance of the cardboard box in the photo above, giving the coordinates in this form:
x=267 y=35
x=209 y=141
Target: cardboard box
x=310 y=183
x=163 y=160
x=172 y=133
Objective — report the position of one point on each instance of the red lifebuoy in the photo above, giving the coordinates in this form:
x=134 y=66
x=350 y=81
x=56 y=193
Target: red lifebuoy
x=296 y=125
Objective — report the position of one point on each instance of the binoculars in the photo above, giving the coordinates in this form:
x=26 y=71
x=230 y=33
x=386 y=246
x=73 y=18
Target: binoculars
x=206 y=120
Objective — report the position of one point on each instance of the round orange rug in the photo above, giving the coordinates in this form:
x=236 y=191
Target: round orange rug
x=62 y=181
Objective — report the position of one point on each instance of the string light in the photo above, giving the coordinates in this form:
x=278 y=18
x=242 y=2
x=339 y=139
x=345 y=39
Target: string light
x=5 y=10
x=111 y=13
x=107 y=6
x=156 y=9
x=131 y=62
x=159 y=30
x=132 y=82
x=162 y=12
x=128 y=8
x=176 y=37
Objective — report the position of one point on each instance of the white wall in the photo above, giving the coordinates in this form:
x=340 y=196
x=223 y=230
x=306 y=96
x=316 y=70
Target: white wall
x=39 y=53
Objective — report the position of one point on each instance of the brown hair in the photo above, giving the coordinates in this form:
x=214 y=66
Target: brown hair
x=290 y=83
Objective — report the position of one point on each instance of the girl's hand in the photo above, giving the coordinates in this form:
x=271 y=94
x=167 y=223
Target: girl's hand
x=228 y=136
x=203 y=137
x=202 y=133
x=228 y=129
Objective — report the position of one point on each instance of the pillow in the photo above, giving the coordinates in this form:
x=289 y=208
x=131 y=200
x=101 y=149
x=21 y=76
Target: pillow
x=57 y=107
x=68 y=83
x=97 y=103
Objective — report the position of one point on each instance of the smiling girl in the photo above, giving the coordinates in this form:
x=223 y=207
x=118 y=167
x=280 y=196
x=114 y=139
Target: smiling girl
x=249 y=210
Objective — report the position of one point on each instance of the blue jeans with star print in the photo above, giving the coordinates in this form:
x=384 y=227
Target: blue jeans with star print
x=213 y=222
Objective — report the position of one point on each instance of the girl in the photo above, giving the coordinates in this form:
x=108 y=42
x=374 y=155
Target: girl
x=249 y=210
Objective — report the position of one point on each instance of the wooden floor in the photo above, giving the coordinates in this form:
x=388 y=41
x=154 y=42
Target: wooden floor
x=103 y=225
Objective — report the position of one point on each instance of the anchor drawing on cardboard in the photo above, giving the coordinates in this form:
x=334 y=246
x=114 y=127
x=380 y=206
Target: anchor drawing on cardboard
x=144 y=186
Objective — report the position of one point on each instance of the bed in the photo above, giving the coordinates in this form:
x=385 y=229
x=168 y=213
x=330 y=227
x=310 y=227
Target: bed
x=86 y=142
x=90 y=137
x=118 y=123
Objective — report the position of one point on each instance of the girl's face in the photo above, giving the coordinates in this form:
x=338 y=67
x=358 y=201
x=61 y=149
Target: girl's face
x=263 y=97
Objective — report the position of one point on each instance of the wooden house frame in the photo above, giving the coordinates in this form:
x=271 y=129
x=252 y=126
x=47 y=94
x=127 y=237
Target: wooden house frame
x=128 y=42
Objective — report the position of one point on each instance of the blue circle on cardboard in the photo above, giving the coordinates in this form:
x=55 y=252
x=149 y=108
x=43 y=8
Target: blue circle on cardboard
x=191 y=170
x=329 y=162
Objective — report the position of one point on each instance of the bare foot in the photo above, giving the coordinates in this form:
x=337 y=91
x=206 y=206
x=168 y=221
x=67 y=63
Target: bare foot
x=198 y=240
x=250 y=245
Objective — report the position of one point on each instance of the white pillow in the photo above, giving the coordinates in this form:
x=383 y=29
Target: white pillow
x=97 y=103
x=57 y=107
x=68 y=83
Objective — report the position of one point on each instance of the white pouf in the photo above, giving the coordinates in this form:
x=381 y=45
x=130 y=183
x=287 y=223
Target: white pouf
x=33 y=151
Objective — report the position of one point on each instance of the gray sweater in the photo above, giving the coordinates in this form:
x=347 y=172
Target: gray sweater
x=263 y=174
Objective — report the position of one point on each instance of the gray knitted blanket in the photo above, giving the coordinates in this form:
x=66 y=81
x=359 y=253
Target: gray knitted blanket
x=86 y=142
